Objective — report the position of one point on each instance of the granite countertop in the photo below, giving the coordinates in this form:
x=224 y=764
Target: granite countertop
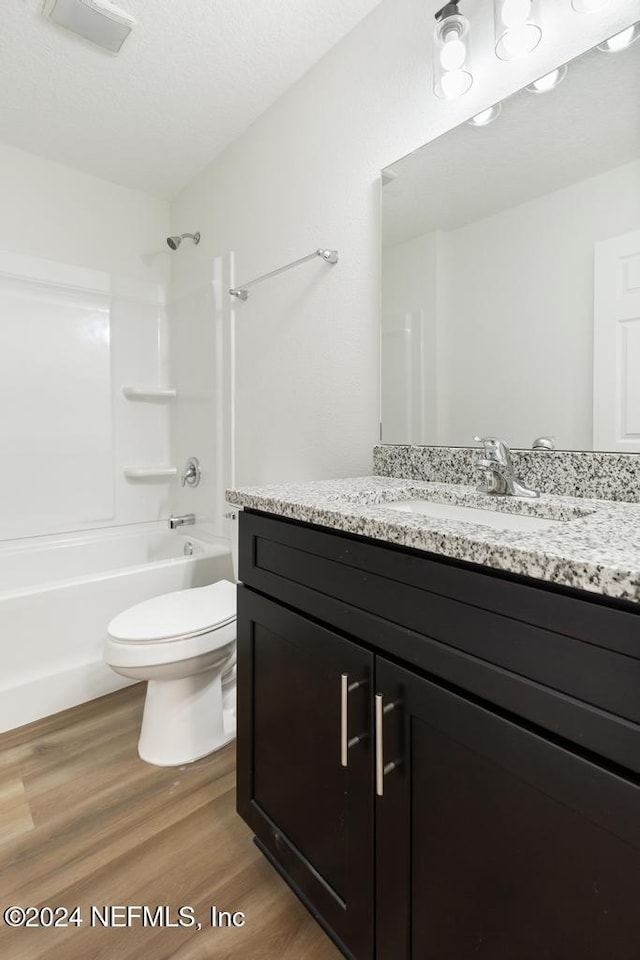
x=596 y=549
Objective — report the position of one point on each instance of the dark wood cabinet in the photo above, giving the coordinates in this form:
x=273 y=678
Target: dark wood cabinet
x=494 y=842
x=305 y=781
x=490 y=802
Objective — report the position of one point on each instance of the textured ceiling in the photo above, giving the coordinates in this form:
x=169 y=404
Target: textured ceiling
x=193 y=75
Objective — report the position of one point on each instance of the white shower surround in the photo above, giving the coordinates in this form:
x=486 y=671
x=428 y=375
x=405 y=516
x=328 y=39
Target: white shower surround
x=59 y=593
x=71 y=338
x=99 y=249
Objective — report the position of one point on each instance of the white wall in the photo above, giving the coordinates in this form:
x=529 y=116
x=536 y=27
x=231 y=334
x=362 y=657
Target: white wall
x=82 y=278
x=306 y=175
x=55 y=212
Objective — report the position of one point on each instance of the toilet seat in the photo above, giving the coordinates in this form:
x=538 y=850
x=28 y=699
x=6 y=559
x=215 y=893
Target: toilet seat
x=173 y=627
x=176 y=616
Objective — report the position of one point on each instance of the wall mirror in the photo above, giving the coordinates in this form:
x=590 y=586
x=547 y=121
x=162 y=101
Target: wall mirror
x=511 y=271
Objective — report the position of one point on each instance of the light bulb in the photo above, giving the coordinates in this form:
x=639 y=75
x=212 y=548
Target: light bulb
x=455 y=83
x=453 y=54
x=549 y=82
x=485 y=116
x=515 y=12
x=622 y=40
x=517 y=25
x=451 y=72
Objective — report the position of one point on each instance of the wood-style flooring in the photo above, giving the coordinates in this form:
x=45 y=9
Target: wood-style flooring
x=83 y=821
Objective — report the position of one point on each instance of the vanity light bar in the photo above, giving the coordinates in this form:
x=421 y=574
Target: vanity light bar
x=518 y=32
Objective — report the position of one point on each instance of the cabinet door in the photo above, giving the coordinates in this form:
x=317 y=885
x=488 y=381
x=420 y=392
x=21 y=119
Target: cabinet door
x=305 y=762
x=493 y=842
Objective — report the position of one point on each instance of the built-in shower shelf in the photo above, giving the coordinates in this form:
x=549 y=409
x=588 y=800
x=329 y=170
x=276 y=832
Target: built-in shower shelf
x=150 y=394
x=150 y=473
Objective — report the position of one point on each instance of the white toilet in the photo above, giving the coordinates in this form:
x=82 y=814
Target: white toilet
x=183 y=644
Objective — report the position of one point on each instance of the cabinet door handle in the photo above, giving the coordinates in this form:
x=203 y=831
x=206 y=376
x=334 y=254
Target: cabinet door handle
x=345 y=743
x=382 y=768
x=344 y=719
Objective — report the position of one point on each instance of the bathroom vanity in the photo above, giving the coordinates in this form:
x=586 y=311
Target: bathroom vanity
x=440 y=757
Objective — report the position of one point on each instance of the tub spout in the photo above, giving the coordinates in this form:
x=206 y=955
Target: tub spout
x=185 y=519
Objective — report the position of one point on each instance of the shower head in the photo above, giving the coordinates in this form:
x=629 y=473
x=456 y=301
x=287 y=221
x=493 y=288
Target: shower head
x=174 y=242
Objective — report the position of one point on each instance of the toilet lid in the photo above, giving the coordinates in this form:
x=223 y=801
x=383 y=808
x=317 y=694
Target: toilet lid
x=172 y=616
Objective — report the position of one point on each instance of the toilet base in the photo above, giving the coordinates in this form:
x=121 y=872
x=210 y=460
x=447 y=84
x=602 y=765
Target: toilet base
x=185 y=719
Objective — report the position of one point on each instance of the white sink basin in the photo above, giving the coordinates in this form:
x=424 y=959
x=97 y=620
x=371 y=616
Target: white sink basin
x=499 y=520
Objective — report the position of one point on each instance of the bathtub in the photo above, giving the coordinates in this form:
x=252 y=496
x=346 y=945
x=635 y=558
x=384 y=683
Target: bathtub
x=57 y=595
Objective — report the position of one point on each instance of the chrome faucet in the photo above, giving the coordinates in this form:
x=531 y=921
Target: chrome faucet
x=497 y=466
x=191 y=473
x=185 y=520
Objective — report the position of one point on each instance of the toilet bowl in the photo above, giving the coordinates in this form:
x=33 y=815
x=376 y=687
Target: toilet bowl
x=183 y=645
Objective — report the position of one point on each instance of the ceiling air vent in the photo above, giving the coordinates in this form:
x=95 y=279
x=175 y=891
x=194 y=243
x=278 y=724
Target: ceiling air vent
x=96 y=20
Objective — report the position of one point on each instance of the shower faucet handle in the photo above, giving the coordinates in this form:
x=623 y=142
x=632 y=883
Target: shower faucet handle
x=191 y=473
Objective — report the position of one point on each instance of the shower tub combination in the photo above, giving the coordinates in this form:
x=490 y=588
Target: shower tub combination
x=59 y=593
